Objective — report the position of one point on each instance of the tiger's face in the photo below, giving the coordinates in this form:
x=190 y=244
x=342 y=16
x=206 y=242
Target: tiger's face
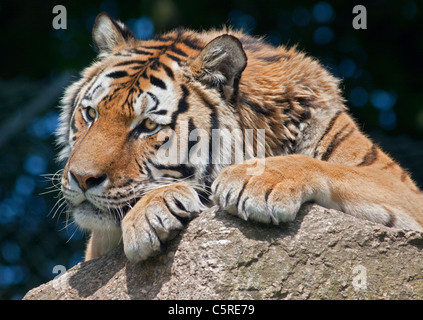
x=141 y=118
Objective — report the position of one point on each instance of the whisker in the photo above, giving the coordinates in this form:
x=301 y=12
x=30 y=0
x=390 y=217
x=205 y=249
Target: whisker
x=48 y=192
x=73 y=233
x=61 y=207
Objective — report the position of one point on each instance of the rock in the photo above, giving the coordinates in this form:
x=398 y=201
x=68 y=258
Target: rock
x=323 y=254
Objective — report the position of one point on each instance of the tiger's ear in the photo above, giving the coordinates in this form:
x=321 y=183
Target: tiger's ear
x=109 y=33
x=221 y=62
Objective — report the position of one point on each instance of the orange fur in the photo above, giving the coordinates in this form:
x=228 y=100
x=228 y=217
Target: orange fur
x=221 y=79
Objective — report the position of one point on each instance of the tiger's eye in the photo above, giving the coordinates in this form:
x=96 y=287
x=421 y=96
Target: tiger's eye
x=150 y=124
x=91 y=114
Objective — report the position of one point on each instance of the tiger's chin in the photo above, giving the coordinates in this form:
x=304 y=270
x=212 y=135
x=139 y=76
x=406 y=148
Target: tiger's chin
x=89 y=217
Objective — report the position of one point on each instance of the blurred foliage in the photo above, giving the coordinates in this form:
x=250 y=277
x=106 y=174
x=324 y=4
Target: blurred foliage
x=381 y=68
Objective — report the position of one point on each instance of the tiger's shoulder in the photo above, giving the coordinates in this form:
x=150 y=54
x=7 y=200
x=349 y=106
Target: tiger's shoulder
x=281 y=90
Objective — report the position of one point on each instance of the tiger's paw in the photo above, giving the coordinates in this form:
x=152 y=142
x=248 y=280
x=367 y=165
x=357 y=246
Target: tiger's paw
x=270 y=197
x=157 y=217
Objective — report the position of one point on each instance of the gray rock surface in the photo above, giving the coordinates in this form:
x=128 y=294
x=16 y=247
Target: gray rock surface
x=323 y=254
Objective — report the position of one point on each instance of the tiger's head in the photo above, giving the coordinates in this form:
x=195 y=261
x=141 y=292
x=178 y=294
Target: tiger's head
x=142 y=116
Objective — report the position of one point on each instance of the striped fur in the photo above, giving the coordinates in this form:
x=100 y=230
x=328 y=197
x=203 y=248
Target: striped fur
x=142 y=96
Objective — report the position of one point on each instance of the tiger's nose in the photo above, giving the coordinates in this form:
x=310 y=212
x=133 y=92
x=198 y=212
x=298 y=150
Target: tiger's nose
x=87 y=181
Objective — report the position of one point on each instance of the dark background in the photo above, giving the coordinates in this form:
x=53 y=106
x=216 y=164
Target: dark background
x=381 y=68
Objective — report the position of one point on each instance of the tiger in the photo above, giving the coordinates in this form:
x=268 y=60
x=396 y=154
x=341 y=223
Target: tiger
x=141 y=99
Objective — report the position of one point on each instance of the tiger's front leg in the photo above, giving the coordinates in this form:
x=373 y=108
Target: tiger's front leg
x=157 y=217
x=272 y=196
x=287 y=182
